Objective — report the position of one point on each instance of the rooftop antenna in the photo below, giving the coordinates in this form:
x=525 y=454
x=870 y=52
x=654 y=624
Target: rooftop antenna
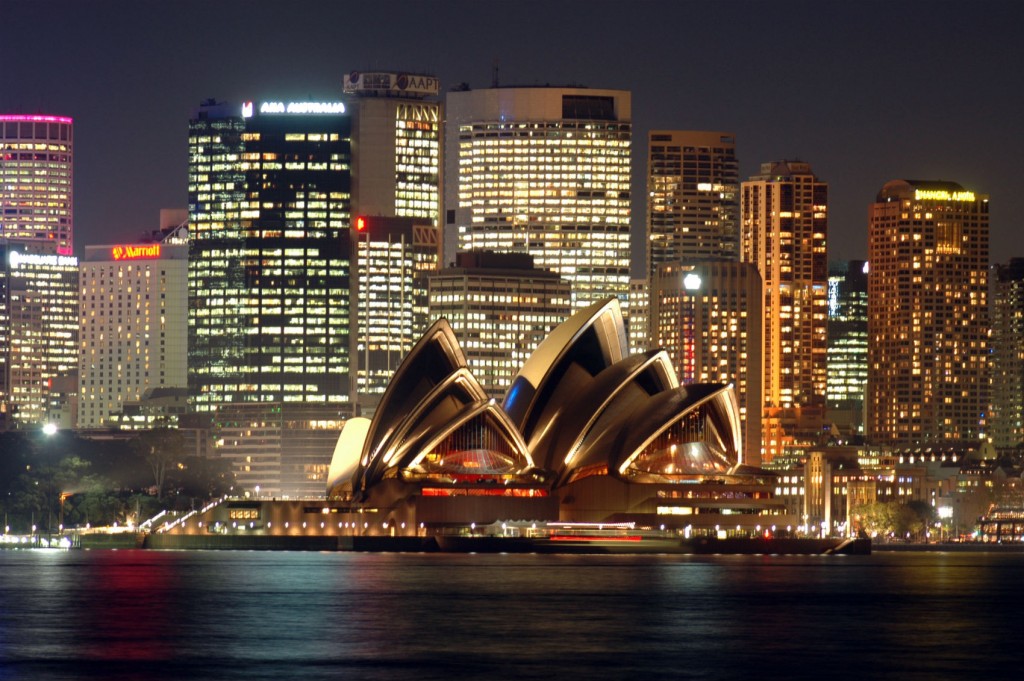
x=494 y=74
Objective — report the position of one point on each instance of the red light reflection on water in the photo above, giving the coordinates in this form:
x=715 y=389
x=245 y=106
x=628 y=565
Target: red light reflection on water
x=130 y=619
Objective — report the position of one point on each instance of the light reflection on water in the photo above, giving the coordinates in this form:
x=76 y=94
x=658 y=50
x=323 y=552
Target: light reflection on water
x=284 y=615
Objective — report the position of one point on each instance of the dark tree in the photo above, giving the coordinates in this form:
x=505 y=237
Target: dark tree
x=162 y=449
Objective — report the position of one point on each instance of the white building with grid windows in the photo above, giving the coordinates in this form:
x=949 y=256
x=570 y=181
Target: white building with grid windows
x=133 y=306
x=544 y=171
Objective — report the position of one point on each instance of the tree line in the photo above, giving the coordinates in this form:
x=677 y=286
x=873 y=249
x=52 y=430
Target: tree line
x=49 y=481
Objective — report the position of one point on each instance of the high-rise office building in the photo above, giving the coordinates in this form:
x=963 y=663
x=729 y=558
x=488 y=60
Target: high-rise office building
x=707 y=316
x=393 y=258
x=847 y=346
x=269 y=189
x=544 y=171
x=396 y=144
x=36 y=182
x=692 y=197
x=39 y=318
x=638 y=320
x=396 y=173
x=784 y=233
x=928 y=320
x=133 y=304
x=1007 y=427
x=269 y=283
x=500 y=307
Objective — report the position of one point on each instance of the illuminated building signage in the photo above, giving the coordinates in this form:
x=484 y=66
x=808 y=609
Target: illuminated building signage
x=942 y=195
x=16 y=259
x=35 y=119
x=691 y=282
x=141 y=252
x=392 y=83
x=294 y=108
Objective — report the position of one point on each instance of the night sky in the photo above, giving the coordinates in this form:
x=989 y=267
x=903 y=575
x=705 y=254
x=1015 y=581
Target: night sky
x=863 y=91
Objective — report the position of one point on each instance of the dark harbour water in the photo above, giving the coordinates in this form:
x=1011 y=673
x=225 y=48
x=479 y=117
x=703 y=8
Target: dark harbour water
x=310 y=616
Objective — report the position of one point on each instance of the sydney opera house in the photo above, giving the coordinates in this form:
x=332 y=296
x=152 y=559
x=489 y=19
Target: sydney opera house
x=586 y=433
x=587 y=436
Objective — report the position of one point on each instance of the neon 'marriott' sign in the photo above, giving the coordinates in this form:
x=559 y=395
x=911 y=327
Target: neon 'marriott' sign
x=942 y=195
x=141 y=252
x=302 y=108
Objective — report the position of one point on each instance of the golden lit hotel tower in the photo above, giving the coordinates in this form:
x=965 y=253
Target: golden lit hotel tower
x=784 y=233
x=707 y=316
x=36 y=187
x=927 y=314
x=544 y=171
x=692 y=196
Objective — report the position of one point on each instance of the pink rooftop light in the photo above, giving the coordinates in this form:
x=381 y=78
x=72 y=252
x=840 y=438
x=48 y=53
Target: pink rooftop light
x=35 y=119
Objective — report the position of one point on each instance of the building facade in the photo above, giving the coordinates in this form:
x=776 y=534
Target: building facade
x=544 y=171
x=393 y=259
x=692 y=197
x=847 y=346
x=1007 y=428
x=500 y=307
x=39 y=323
x=638 y=318
x=270 y=259
x=707 y=316
x=269 y=190
x=36 y=182
x=928 y=320
x=133 y=307
x=396 y=144
x=784 y=234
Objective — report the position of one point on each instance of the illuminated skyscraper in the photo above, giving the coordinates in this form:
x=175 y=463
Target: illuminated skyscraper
x=36 y=182
x=133 y=307
x=784 y=233
x=692 y=197
x=394 y=257
x=847 y=346
x=269 y=268
x=396 y=144
x=707 y=316
x=544 y=171
x=269 y=259
x=928 y=320
x=396 y=173
x=1007 y=429
x=39 y=319
x=500 y=308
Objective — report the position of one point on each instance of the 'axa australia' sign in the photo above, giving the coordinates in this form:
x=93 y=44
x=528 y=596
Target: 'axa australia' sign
x=248 y=108
x=394 y=84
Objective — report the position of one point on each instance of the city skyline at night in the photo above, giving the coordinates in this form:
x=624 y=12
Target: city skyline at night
x=789 y=82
